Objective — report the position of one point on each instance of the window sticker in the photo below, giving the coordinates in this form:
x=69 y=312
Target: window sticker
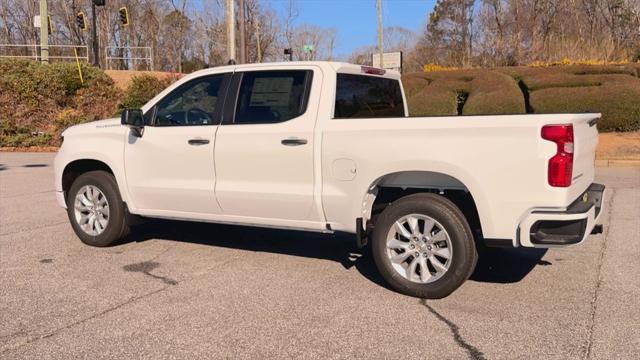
x=271 y=91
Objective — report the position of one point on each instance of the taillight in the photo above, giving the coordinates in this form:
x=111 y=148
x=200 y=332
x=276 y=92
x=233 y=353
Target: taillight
x=561 y=164
x=372 y=70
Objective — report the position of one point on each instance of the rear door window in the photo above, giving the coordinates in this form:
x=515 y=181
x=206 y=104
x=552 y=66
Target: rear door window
x=361 y=96
x=267 y=97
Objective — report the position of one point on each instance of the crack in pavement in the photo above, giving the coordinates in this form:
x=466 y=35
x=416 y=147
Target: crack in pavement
x=113 y=308
x=596 y=291
x=35 y=228
x=27 y=194
x=471 y=350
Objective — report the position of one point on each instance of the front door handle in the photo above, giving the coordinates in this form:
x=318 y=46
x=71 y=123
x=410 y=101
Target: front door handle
x=293 y=142
x=198 y=141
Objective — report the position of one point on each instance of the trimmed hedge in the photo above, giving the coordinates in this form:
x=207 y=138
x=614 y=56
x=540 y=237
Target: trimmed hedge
x=474 y=92
x=39 y=101
x=492 y=92
x=613 y=90
x=434 y=98
x=617 y=98
x=142 y=89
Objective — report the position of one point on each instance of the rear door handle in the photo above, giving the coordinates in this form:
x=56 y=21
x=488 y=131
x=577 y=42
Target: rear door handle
x=198 y=141
x=293 y=142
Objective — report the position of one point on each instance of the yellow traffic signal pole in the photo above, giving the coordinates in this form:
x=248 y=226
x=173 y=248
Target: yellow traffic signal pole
x=75 y=52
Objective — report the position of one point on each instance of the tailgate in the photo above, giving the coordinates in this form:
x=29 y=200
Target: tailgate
x=585 y=135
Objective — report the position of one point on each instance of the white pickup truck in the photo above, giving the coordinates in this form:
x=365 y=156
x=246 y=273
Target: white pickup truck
x=325 y=146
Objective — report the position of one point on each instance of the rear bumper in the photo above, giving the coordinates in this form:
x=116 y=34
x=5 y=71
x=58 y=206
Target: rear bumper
x=550 y=228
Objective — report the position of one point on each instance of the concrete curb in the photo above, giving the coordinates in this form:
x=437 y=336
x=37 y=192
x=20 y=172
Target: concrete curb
x=617 y=163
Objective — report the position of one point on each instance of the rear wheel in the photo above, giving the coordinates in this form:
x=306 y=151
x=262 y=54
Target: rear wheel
x=96 y=210
x=423 y=246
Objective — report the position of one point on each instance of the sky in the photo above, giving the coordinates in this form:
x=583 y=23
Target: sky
x=356 y=20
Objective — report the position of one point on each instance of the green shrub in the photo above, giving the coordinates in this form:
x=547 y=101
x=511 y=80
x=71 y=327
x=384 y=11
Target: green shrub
x=37 y=98
x=618 y=102
x=99 y=99
x=556 y=80
x=437 y=98
x=413 y=84
x=142 y=89
x=13 y=136
x=612 y=90
x=474 y=92
x=491 y=92
x=69 y=117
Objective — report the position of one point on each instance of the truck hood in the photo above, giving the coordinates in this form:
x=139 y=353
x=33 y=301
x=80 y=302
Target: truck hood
x=93 y=127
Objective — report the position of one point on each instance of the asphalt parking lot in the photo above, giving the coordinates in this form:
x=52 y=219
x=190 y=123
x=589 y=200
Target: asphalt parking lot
x=188 y=290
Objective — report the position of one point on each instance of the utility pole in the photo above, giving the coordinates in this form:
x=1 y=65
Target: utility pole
x=94 y=36
x=257 y=30
x=44 y=32
x=243 y=47
x=380 y=36
x=231 y=32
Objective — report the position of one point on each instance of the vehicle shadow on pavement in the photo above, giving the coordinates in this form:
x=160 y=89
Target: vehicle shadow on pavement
x=338 y=247
x=494 y=265
x=507 y=265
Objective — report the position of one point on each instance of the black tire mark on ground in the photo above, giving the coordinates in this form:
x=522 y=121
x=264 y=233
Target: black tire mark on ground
x=473 y=352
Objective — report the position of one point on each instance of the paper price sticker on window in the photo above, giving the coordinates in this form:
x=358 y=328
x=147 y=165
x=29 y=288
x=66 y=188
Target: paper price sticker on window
x=272 y=91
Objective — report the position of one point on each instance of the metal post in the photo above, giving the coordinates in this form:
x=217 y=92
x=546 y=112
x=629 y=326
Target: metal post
x=243 y=46
x=380 y=35
x=44 y=32
x=150 y=58
x=94 y=36
x=231 y=31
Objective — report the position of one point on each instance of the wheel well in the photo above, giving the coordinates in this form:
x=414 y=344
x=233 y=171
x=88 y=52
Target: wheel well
x=79 y=167
x=392 y=187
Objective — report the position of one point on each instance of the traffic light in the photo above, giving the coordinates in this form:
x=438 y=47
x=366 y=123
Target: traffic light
x=124 y=16
x=82 y=22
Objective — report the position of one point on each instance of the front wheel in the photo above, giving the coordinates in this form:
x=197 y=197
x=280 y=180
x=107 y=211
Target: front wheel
x=423 y=246
x=95 y=209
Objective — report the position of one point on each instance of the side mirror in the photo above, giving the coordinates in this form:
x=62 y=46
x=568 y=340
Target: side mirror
x=134 y=119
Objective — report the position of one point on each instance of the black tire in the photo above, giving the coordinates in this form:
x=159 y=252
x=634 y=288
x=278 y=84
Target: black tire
x=116 y=227
x=463 y=260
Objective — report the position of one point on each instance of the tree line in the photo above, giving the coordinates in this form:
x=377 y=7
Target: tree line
x=185 y=35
